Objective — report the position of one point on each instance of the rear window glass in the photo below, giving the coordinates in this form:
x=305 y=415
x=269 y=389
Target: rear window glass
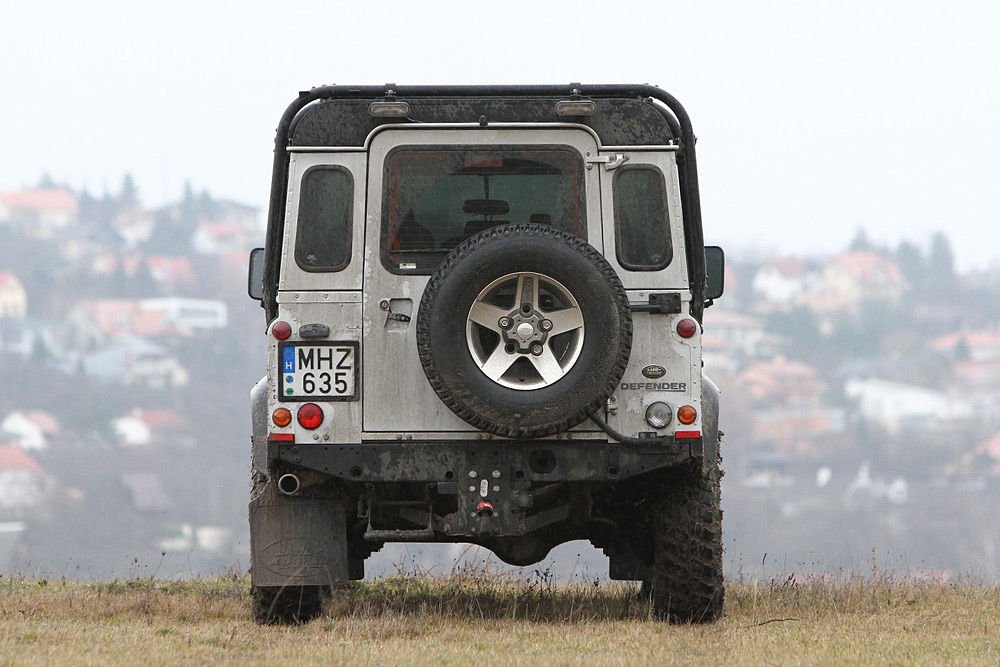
x=434 y=198
x=323 y=238
x=642 y=229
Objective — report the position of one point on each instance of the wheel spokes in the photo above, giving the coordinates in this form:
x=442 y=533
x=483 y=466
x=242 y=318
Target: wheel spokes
x=527 y=289
x=526 y=331
x=498 y=363
x=486 y=315
x=565 y=320
x=547 y=366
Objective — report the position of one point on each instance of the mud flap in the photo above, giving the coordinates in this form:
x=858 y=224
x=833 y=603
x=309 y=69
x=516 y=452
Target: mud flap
x=297 y=541
x=710 y=421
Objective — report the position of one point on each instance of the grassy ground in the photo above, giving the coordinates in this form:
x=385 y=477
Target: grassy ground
x=482 y=619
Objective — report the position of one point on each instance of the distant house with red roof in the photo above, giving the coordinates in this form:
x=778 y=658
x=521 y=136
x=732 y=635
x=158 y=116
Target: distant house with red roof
x=213 y=237
x=142 y=427
x=975 y=358
x=93 y=323
x=854 y=277
x=135 y=226
x=13 y=297
x=970 y=345
x=24 y=484
x=780 y=381
x=38 y=211
x=171 y=271
x=781 y=282
x=30 y=429
x=795 y=429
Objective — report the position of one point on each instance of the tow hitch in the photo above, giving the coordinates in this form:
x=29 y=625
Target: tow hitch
x=485 y=514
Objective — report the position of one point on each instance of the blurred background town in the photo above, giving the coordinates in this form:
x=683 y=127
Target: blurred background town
x=860 y=398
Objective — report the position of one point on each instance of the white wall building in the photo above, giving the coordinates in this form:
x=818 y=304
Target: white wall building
x=897 y=406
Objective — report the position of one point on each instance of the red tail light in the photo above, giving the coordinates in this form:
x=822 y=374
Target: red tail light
x=281 y=330
x=310 y=416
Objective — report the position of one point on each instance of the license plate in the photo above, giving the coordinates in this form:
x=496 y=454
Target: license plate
x=310 y=371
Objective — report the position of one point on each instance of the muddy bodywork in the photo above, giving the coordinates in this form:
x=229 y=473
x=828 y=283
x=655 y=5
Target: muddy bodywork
x=386 y=459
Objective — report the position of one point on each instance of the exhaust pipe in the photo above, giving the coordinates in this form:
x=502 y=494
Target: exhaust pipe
x=289 y=484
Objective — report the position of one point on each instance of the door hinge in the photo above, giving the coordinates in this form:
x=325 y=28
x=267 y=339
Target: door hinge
x=610 y=162
x=668 y=303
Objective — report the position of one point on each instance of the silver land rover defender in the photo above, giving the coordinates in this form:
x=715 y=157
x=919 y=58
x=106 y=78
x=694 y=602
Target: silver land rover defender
x=484 y=310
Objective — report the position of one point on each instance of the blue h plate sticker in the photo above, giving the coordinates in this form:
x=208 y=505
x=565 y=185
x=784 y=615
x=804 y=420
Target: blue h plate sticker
x=288 y=360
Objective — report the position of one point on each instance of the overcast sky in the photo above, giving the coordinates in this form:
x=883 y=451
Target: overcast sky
x=814 y=119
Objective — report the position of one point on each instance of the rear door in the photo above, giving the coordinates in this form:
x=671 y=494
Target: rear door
x=421 y=183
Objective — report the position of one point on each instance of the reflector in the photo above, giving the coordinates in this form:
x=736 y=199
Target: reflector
x=687 y=328
x=281 y=330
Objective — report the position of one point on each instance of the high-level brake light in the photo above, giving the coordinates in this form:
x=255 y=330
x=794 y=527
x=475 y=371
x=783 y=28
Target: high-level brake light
x=389 y=108
x=576 y=107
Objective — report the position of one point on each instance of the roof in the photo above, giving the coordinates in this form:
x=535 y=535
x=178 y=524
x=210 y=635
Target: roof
x=973 y=338
x=618 y=121
x=41 y=199
x=787 y=267
x=221 y=230
x=171 y=269
x=115 y=317
x=15 y=458
x=8 y=278
x=864 y=265
x=48 y=424
x=162 y=418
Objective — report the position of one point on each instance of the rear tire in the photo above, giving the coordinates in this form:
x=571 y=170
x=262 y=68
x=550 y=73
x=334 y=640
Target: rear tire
x=686 y=584
x=286 y=605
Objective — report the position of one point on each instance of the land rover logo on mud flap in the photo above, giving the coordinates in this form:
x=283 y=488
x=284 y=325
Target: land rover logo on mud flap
x=654 y=372
x=295 y=557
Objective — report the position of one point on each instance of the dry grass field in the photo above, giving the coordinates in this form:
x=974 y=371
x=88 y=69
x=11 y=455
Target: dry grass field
x=479 y=619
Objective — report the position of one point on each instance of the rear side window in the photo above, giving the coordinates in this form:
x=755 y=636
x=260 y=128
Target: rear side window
x=436 y=197
x=642 y=229
x=323 y=239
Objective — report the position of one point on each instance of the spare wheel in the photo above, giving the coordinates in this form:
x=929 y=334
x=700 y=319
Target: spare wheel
x=524 y=330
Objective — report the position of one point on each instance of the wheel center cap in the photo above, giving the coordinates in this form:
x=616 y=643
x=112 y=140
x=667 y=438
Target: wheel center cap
x=525 y=330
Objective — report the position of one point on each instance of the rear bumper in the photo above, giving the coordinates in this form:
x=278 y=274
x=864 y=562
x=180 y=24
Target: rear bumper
x=459 y=461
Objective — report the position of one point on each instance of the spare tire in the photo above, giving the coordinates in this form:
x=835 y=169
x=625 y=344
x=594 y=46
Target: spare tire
x=524 y=330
